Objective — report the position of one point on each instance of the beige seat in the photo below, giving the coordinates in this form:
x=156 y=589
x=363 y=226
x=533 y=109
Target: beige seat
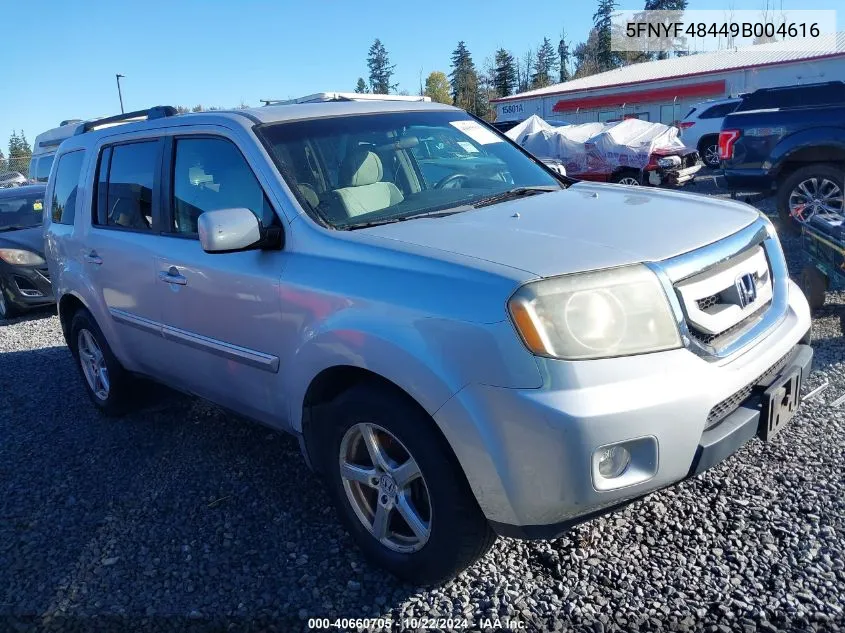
x=362 y=190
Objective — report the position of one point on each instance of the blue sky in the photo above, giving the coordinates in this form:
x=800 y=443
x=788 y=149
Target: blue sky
x=61 y=57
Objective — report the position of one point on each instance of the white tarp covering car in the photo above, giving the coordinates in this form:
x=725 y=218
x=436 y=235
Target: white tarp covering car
x=627 y=150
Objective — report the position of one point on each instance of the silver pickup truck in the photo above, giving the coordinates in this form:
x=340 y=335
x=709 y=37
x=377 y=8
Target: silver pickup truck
x=466 y=343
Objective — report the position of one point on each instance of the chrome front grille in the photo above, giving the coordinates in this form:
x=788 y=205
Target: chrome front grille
x=729 y=293
x=720 y=299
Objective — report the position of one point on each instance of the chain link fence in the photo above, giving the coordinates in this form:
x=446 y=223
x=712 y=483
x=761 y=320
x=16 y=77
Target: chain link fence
x=20 y=165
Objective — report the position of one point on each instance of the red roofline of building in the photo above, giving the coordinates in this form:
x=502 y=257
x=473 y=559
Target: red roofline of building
x=666 y=93
x=645 y=81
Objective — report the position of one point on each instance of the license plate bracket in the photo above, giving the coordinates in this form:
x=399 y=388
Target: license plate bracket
x=780 y=402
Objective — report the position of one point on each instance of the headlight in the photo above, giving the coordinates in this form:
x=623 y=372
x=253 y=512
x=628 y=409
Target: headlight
x=669 y=161
x=601 y=314
x=20 y=257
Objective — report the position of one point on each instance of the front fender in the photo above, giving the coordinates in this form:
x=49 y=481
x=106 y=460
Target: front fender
x=430 y=358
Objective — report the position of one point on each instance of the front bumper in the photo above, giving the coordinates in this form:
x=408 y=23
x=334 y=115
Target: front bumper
x=528 y=454
x=676 y=177
x=26 y=286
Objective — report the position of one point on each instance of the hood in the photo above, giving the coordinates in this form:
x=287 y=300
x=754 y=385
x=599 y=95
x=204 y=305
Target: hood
x=586 y=227
x=31 y=239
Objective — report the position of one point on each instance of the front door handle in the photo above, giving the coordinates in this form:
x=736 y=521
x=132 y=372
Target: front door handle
x=173 y=276
x=93 y=258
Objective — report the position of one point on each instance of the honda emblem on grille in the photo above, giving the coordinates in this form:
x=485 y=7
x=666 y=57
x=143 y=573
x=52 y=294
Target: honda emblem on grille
x=746 y=289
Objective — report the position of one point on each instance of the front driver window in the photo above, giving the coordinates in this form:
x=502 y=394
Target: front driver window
x=211 y=174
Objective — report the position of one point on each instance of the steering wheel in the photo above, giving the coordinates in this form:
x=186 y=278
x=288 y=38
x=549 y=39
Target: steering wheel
x=451 y=181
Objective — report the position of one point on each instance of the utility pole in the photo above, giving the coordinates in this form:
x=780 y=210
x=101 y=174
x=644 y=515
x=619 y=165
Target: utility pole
x=119 y=94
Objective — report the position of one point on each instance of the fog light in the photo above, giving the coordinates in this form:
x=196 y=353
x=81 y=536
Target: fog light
x=613 y=461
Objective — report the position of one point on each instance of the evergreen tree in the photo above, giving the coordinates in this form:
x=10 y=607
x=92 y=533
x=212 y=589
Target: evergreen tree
x=464 y=79
x=197 y=108
x=666 y=5
x=361 y=86
x=602 y=22
x=563 y=58
x=14 y=144
x=25 y=148
x=586 y=56
x=381 y=70
x=544 y=65
x=504 y=74
x=437 y=87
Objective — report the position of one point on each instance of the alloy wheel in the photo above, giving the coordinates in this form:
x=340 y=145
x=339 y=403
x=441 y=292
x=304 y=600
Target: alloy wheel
x=385 y=487
x=3 y=308
x=711 y=155
x=93 y=364
x=630 y=181
x=815 y=195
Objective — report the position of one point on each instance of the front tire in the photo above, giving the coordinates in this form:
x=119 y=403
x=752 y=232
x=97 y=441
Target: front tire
x=816 y=188
x=814 y=283
x=630 y=177
x=108 y=385
x=8 y=310
x=398 y=488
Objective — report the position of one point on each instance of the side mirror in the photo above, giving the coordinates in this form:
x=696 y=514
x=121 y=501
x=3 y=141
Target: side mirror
x=227 y=230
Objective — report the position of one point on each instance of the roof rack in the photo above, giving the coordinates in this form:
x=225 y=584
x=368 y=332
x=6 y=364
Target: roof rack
x=324 y=97
x=156 y=112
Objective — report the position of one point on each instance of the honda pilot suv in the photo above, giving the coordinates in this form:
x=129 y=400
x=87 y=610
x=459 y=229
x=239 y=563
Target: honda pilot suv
x=464 y=348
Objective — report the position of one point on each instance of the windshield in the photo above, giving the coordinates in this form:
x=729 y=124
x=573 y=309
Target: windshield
x=20 y=211
x=358 y=170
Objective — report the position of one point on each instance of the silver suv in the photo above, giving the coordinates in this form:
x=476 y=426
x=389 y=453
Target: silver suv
x=465 y=343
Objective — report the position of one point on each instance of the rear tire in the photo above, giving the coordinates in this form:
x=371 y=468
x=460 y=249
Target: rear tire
x=790 y=191
x=814 y=284
x=456 y=532
x=107 y=384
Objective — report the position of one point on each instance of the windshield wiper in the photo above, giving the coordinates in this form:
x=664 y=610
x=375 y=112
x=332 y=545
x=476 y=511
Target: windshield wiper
x=516 y=192
x=403 y=218
x=15 y=227
x=510 y=194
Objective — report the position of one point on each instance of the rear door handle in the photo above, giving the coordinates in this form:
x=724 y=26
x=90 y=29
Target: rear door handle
x=93 y=258
x=173 y=276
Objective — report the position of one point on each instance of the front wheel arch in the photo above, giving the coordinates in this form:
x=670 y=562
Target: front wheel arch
x=334 y=381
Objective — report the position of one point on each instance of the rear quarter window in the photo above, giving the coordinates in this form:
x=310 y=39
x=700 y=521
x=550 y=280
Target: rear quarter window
x=63 y=202
x=42 y=173
x=719 y=111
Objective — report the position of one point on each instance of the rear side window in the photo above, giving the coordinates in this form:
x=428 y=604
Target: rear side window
x=125 y=180
x=42 y=173
x=689 y=114
x=719 y=111
x=66 y=187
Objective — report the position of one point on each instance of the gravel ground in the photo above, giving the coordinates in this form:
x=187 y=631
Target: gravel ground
x=181 y=517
